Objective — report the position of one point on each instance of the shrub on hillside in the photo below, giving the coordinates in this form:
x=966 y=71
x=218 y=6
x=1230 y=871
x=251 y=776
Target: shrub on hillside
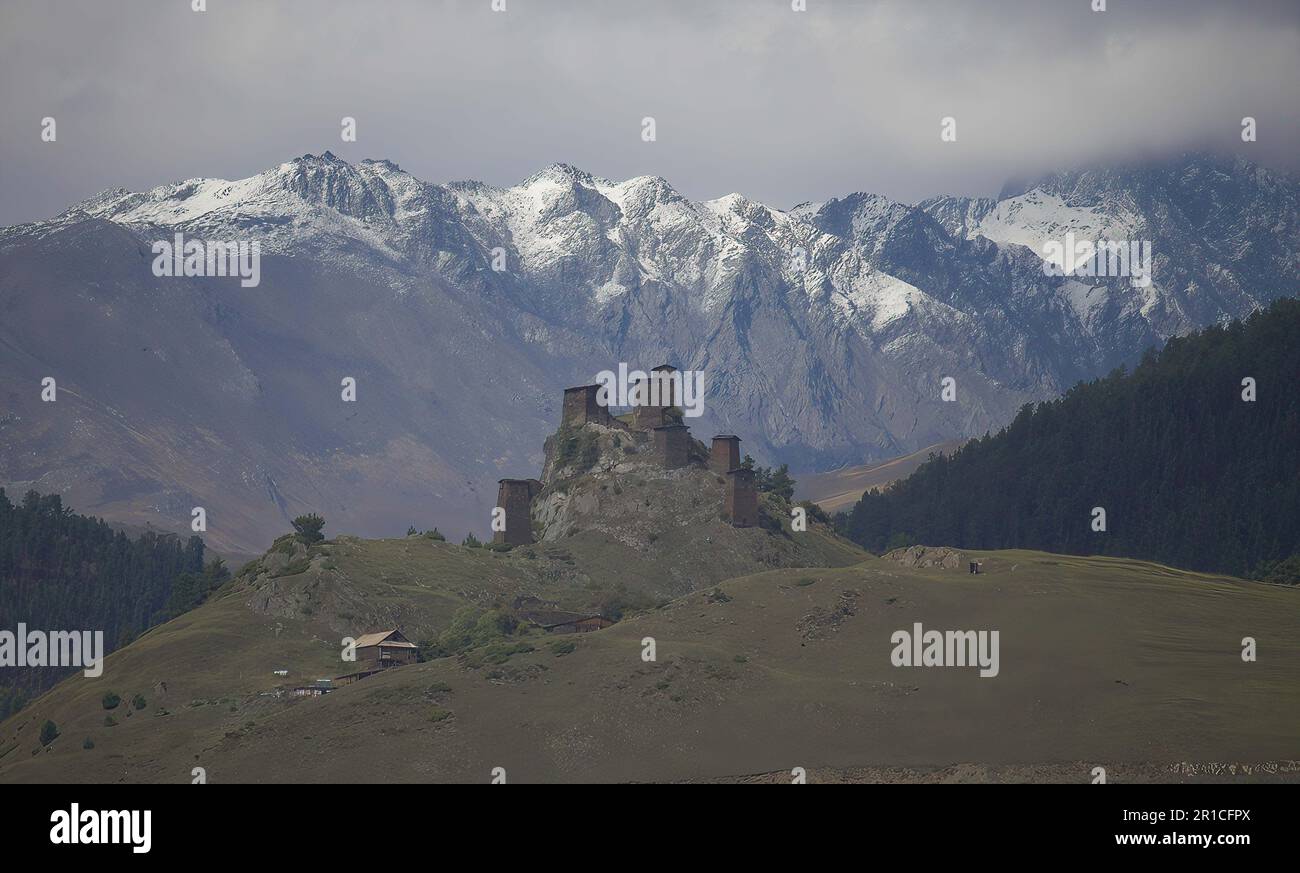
x=815 y=512
x=472 y=627
x=49 y=731
x=578 y=448
x=778 y=481
x=308 y=528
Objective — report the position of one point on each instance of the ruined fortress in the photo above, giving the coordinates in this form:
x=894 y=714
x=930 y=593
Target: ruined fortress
x=655 y=420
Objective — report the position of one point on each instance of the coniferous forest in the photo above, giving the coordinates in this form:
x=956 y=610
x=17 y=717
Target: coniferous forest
x=64 y=571
x=1190 y=472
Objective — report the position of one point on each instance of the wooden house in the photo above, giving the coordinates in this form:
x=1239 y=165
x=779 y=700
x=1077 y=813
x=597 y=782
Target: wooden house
x=555 y=621
x=386 y=649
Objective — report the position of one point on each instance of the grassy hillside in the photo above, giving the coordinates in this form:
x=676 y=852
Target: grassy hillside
x=1104 y=661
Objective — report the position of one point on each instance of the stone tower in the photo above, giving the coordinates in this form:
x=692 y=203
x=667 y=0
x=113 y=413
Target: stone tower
x=742 y=498
x=655 y=395
x=673 y=445
x=581 y=406
x=725 y=453
x=515 y=496
x=648 y=417
x=663 y=375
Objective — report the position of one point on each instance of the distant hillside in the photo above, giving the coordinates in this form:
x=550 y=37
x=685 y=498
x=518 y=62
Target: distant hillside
x=64 y=571
x=1187 y=471
x=838 y=490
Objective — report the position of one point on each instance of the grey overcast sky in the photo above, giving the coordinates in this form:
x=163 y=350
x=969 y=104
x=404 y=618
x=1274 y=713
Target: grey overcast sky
x=748 y=96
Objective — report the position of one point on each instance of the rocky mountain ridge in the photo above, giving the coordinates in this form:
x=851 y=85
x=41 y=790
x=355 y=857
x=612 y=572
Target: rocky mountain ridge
x=824 y=330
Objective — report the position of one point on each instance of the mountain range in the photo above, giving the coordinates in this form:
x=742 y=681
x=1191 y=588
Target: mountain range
x=824 y=330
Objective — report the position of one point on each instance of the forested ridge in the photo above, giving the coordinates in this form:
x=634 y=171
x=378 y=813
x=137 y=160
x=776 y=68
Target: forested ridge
x=63 y=571
x=1189 y=471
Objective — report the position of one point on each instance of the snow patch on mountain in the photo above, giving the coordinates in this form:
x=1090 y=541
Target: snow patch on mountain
x=876 y=299
x=1033 y=218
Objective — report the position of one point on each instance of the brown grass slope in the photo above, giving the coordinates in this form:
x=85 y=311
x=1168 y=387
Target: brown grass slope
x=837 y=490
x=1104 y=662
x=210 y=672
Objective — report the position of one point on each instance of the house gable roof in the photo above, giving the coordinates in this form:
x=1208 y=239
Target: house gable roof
x=392 y=638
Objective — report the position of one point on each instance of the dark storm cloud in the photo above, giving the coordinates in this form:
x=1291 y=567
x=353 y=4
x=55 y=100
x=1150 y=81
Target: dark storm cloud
x=747 y=96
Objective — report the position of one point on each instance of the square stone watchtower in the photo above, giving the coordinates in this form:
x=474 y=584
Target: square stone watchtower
x=648 y=417
x=581 y=405
x=742 y=498
x=673 y=445
x=654 y=396
x=663 y=375
x=725 y=453
x=515 y=496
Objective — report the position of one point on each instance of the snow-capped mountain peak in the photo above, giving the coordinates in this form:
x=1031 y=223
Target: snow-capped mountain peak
x=464 y=309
